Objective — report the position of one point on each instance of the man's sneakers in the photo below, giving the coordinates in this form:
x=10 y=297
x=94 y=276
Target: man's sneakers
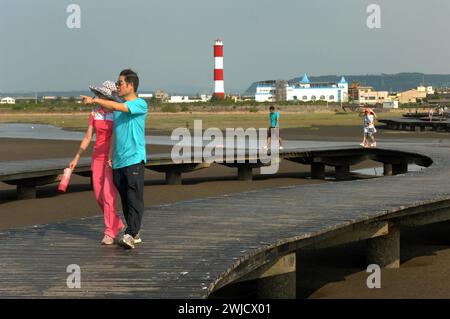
x=373 y=144
x=127 y=241
x=137 y=239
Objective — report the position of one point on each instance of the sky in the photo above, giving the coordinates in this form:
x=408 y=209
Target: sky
x=170 y=42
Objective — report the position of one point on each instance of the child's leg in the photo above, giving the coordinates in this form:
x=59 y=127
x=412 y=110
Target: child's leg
x=364 y=138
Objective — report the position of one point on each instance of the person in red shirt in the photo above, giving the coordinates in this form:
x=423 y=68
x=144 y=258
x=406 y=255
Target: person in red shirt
x=101 y=124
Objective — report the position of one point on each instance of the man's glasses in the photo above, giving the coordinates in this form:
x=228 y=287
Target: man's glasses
x=118 y=83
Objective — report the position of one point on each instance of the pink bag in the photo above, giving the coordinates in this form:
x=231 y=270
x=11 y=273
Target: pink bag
x=65 y=180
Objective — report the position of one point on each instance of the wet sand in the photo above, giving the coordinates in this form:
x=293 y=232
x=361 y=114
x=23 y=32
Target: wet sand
x=337 y=272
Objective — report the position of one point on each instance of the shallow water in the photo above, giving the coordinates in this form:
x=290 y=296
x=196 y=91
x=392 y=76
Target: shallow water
x=378 y=171
x=49 y=132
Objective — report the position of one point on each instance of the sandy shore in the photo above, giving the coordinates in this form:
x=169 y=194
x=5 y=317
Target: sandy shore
x=331 y=273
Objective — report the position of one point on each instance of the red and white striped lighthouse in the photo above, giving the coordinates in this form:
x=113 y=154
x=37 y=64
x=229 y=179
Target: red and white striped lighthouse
x=219 y=90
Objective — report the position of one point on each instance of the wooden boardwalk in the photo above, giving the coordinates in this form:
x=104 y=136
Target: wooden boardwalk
x=415 y=124
x=29 y=174
x=189 y=248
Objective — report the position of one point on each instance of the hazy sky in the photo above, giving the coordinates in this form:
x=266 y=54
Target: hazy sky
x=169 y=42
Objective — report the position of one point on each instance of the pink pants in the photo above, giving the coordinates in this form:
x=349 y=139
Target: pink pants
x=105 y=194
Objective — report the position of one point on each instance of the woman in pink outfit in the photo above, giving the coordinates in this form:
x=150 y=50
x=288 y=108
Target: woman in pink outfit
x=101 y=124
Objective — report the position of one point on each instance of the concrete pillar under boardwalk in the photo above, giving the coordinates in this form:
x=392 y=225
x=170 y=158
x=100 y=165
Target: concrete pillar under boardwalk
x=26 y=192
x=245 y=173
x=318 y=171
x=173 y=178
x=384 y=251
x=400 y=168
x=387 y=169
x=342 y=172
x=282 y=286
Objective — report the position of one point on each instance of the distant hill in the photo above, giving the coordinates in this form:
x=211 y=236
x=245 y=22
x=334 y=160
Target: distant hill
x=383 y=82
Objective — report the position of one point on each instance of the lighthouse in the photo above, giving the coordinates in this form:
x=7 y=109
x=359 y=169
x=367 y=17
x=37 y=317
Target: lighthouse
x=219 y=90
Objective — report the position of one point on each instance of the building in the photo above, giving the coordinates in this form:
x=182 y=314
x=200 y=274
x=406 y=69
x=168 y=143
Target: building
x=188 y=99
x=411 y=96
x=145 y=95
x=390 y=104
x=366 y=94
x=7 y=100
x=161 y=95
x=49 y=98
x=303 y=90
x=428 y=89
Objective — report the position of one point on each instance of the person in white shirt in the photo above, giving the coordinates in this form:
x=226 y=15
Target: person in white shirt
x=369 y=128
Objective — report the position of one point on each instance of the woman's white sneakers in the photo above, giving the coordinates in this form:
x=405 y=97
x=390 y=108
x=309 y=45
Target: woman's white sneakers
x=107 y=240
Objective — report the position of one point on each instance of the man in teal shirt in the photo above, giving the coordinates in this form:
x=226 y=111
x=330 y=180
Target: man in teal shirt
x=129 y=151
x=274 y=119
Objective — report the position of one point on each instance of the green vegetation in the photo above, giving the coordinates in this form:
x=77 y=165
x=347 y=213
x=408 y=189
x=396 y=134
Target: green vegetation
x=169 y=108
x=168 y=121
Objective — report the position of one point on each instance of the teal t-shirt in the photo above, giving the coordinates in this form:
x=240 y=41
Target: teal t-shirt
x=273 y=119
x=129 y=134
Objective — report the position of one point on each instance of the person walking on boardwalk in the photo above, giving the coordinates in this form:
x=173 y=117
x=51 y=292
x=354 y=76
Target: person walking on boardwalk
x=369 y=128
x=430 y=114
x=274 y=127
x=441 y=113
x=129 y=155
x=101 y=124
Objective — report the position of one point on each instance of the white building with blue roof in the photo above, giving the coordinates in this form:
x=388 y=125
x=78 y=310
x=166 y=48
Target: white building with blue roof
x=303 y=90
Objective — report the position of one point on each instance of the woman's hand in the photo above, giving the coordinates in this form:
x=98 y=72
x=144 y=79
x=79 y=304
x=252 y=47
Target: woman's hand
x=110 y=163
x=73 y=164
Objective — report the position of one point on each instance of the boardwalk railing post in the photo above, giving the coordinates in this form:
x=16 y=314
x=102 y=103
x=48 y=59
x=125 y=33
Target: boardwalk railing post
x=342 y=172
x=245 y=173
x=173 y=177
x=318 y=171
x=26 y=191
x=387 y=169
x=280 y=281
x=399 y=168
x=384 y=251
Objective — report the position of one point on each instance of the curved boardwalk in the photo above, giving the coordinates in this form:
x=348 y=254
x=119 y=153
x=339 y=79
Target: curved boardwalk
x=192 y=247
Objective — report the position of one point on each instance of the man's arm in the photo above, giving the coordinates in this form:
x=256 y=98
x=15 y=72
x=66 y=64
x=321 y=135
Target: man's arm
x=107 y=104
